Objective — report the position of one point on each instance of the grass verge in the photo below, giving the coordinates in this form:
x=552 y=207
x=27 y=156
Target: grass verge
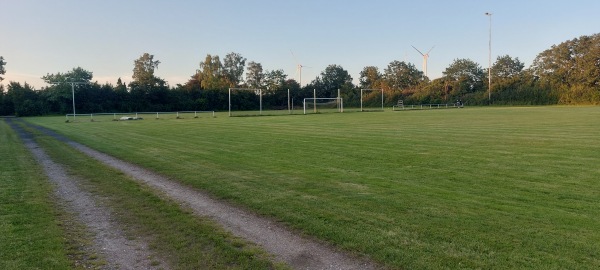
x=30 y=227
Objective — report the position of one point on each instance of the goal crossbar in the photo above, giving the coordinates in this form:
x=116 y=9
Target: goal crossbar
x=340 y=102
x=247 y=89
x=361 y=97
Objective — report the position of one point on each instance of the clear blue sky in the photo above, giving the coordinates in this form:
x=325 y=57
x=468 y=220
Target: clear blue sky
x=106 y=36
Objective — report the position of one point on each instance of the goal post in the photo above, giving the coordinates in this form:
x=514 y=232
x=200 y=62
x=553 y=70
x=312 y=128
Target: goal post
x=371 y=90
x=335 y=104
x=259 y=91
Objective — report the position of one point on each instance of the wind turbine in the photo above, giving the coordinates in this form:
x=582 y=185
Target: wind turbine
x=298 y=68
x=425 y=57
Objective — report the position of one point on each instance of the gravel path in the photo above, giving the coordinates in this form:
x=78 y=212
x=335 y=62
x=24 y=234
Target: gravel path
x=109 y=240
x=287 y=246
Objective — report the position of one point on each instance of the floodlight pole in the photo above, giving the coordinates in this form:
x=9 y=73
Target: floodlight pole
x=490 y=61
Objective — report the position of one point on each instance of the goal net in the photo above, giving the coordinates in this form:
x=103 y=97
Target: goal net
x=371 y=100
x=320 y=105
x=245 y=101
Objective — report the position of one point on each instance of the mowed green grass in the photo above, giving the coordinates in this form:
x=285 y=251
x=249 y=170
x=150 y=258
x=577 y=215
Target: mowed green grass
x=30 y=232
x=456 y=188
x=173 y=233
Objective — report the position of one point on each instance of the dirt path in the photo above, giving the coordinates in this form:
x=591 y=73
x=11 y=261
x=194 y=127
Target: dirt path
x=285 y=245
x=109 y=240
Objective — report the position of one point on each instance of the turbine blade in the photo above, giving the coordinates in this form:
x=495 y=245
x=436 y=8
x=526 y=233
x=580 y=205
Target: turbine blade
x=430 y=50
x=417 y=50
x=295 y=60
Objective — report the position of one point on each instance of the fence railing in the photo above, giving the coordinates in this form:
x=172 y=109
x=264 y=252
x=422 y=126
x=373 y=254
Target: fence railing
x=136 y=115
x=401 y=106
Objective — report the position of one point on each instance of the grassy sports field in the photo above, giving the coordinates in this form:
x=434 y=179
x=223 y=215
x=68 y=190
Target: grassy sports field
x=457 y=188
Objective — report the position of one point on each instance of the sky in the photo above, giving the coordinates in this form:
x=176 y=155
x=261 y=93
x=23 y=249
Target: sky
x=40 y=37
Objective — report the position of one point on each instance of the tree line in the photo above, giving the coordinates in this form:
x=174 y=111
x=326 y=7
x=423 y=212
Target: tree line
x=568 y=73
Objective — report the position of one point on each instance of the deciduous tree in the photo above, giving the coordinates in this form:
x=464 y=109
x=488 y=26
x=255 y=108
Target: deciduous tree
x=210 y=75
x=143 y=71
x=465 y=75
x=334 y=77
x=506 y=67
x=400 y=75
x=571 y=62
x=2 y=69
x=370 y=78
x=254 y=75
x=233 y=68
x=573 y=67
x=22 y=99
x=274 y=80
x=77 y=74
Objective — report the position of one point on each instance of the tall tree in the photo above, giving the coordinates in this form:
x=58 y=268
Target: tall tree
x=2 y=69
x=4 y=110
x=143 y=70
x=400 y=75
x=334 y=77
x=147 y=91
x=121 y=97
x=23 y=100
x=254 y=75
x=370 y=78
x=573 y=67
x=77 y=74
x=233 y=68
x=210 y=75
x=274 y=80
x=59 y=97
x=466 y=75
x=507 y=67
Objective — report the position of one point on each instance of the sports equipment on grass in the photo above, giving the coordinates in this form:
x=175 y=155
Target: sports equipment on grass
x=324 y=104
x=372 y=90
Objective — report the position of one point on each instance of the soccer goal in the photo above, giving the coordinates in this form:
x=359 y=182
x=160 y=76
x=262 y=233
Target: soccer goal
x=323 y=105
x=245 y=102
x=79 y=117
x=372 y=98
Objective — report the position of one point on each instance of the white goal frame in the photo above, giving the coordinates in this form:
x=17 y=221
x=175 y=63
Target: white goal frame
x=340 y=103
x=361 y=97
x=247 y=89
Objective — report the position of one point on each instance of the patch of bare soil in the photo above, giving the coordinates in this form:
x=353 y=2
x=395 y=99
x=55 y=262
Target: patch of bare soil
x=109 y=241
x=284 y=244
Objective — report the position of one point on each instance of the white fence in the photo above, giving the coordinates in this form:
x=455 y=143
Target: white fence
x=137 y=115
x=401 y=106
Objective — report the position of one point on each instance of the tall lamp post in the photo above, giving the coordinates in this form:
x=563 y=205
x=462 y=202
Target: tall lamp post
x=72 y=92
x=490 y=61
